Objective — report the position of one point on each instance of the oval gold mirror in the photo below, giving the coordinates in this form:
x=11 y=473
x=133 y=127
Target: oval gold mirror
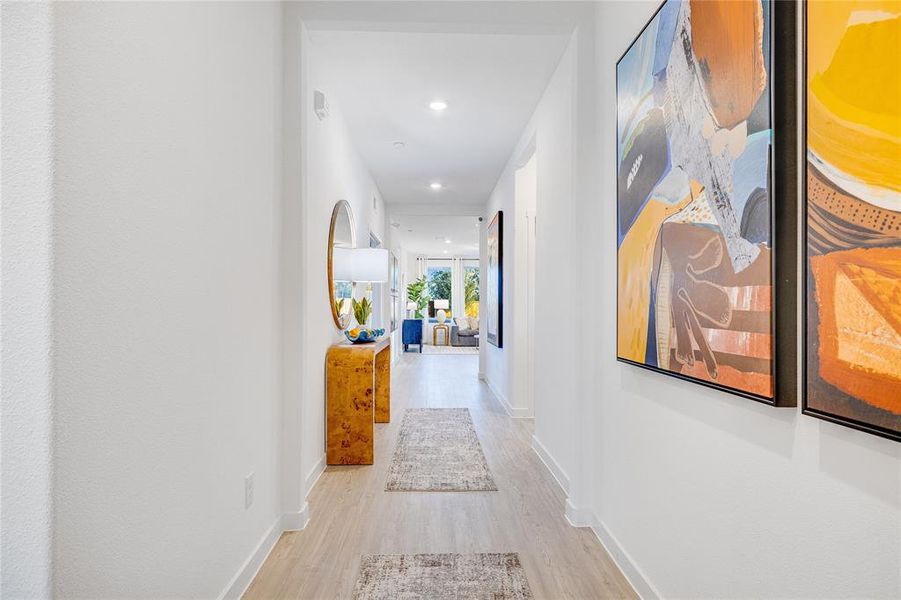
x=340 y=288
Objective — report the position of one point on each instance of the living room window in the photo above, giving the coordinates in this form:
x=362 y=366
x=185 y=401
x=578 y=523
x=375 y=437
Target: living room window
x=439 y=281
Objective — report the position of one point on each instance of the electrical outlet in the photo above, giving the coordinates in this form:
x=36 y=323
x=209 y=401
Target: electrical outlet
x=248 y=491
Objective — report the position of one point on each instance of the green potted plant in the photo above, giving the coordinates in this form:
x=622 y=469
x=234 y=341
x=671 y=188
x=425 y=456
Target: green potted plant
x=416 y=293
x=362 y=310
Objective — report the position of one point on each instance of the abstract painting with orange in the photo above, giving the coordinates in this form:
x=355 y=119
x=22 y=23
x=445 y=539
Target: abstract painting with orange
x=694 y=189
x=853 y=206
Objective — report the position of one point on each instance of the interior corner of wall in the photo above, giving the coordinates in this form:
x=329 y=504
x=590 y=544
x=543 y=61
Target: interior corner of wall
x=313 y=475
x=296 y=520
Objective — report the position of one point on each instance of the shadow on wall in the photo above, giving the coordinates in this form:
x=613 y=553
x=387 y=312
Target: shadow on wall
x=777 y=431
x=852 y=461
x=770 y=429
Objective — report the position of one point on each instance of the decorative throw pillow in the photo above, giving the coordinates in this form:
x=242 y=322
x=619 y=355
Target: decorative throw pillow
x=474 y=323
x=462 y=322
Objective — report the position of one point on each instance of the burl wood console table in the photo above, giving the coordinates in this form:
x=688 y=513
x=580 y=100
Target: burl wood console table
x=358 y=393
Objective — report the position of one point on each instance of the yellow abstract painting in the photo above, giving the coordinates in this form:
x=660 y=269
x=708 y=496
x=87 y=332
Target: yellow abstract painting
x=853 y=66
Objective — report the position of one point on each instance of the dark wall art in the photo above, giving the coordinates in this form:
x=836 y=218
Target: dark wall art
x=853 y=214
x=706 y=200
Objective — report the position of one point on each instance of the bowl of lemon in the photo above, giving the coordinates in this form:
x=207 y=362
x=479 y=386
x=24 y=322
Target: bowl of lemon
x=363 y=335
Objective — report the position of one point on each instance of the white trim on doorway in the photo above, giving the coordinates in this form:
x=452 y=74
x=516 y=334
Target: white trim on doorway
x=525 y=199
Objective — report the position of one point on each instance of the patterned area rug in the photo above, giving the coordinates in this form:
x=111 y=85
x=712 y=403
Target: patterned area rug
x=438 y=451
x=430 y=349
x=442 y=576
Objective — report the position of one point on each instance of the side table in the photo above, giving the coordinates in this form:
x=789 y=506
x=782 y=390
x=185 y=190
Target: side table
x=445 y=329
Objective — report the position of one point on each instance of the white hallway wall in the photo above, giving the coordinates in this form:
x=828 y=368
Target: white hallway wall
x=166 y=294
x=324 y=152
x=717 y=496
x=26 y=282
x=335 y=172
x=170 y=322
x=552 y=133
x=696 y=493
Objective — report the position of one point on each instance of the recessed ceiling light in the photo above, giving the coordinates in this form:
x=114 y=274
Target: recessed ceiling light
x=437 y=105
x=435 y=185
x=445 y=251
x=446 y=241
x=399 y=145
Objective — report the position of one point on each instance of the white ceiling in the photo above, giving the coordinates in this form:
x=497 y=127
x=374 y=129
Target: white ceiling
x=382 y=83
x=426 y=235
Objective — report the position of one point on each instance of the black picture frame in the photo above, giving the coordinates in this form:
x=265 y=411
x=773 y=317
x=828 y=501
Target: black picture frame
x=783 y=213
x=806 y=409
x=497 y=225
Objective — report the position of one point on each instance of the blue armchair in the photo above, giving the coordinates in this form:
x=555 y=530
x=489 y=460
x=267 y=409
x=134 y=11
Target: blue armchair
x=412 y=333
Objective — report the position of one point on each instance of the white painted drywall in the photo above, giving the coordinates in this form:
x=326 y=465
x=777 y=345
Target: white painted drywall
x=551 y=133
x=26 y=197
x=166 y=294
x=697 y=494
x=496 y=364
x=324 y=151
x=713 y=495
x=294 y=107
x=710 y=495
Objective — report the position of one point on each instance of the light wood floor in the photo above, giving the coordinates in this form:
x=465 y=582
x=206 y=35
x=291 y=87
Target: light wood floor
x=351 y=513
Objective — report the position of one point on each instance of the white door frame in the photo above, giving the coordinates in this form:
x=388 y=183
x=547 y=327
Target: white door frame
x=525 y=211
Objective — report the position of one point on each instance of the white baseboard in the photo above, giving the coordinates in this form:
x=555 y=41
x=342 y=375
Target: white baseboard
x=292 y=521
x=552 y=465
x=576 y=516
x=516 y=413
x=240 y=582
x=640 y=583
x=584 y=517
x=295 y=521
x=289 y=521
x=314 y=474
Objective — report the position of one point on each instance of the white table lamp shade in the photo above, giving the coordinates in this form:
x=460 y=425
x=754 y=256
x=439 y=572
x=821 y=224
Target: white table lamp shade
x=360 y=264
x=411 y=306
x=439 y=304
x=370 y=264
x=342 y=264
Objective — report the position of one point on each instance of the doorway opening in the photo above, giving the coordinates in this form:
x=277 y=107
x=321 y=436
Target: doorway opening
x=526 y=206
x=443 y=275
